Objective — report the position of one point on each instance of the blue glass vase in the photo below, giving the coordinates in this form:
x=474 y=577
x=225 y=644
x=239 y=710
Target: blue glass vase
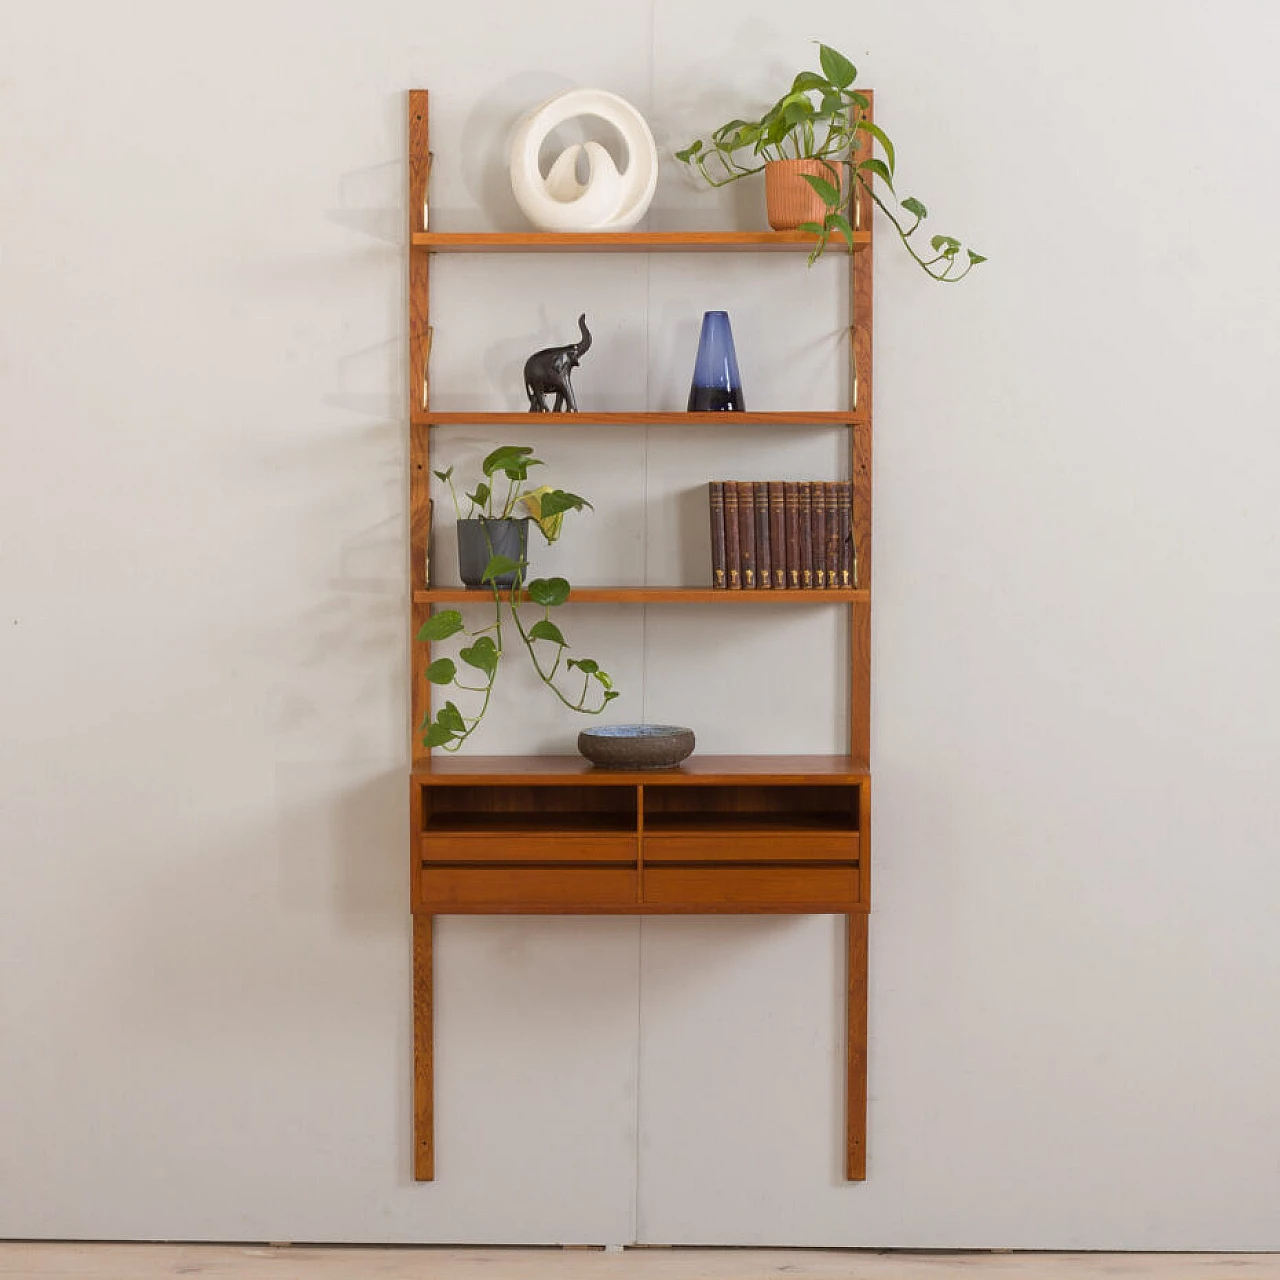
x=716 y=381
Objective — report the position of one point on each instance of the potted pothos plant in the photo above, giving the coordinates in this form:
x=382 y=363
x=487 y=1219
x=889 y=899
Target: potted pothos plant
x=490 y=522
x=808 y=143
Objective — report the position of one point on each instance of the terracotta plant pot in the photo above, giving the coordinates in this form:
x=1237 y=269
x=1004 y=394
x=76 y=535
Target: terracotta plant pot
x=789 y=199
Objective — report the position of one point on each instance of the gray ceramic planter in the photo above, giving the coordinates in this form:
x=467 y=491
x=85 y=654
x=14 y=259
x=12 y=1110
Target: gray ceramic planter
x=478 y=540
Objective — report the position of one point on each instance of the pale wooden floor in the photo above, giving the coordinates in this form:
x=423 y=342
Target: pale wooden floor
x=149 y=1261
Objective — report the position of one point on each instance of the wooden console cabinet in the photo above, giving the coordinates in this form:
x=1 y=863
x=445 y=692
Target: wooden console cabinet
x=553 y=835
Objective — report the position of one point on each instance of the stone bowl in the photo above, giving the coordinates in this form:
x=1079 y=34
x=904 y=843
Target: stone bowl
x=636 y=746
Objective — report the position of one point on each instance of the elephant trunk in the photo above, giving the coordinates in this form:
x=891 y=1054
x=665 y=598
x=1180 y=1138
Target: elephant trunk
x=585 y=344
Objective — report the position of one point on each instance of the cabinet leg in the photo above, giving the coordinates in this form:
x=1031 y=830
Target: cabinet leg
x=424 y=1147
x=856 y=1068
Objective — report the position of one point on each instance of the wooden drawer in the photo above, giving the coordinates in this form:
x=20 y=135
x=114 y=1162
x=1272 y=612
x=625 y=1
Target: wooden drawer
x=750 y=889
x=540 y=847
x=551 y=890
x=751 y=846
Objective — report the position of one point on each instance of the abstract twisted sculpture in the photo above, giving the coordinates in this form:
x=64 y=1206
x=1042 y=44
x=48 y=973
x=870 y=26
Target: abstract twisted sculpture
x=546 y=372
x=608 y=200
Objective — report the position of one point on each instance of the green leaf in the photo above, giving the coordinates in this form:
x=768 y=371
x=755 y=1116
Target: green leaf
x=813 y=228
x=483 y=655
x=724 y=130
x=558 y=500
x=548 y=591
x=975 y=258
x=588 y=666
x=442 y=671
x=604 y=678
x=499 y=566
x=879 y=168
x=513 y=460
x=944 y=243
x=837 y=68
x=829 y=194
x=860 y=100
x=440 y=626
x=838 y=222
x=881 y=137
x=443 y=475
x=437 y=735
x=810 y=80
x=544 y=630
x=451 y=718
x=912 y=205
x=611 y=694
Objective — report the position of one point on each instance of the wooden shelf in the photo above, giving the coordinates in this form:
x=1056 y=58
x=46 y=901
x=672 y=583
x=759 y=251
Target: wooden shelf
x=621 y=241
x=780 y=418
x=658 y=595
x=738 y=834
x=697 y=770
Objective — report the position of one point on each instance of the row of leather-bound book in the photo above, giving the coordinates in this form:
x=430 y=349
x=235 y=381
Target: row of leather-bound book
x=780 y=535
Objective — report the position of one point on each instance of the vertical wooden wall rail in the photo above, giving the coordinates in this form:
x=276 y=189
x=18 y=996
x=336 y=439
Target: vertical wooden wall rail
x=860 y=329
x=419 y=167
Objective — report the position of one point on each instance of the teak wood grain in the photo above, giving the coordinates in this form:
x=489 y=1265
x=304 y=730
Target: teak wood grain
x=655 y=595
x=697 y=770
x=620 y=241
x=730 y=421
x=419 y=441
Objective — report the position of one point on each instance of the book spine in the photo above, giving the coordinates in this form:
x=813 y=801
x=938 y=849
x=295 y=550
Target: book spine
x=791 y=515
x=831 y=491
x=819 y=509
x=777 y=535
x=747 y=535
x=715 y=500
x=846 y=535
x=732 y=552
x=764 y=539
x=805 y=490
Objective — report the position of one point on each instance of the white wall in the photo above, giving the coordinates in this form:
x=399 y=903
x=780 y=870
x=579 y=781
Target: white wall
x=204 y=1017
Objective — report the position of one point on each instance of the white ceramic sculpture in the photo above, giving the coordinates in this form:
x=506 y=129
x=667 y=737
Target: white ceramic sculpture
x=608 y=200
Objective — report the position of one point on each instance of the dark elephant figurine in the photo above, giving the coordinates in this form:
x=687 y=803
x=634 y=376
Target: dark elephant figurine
x=547 y=372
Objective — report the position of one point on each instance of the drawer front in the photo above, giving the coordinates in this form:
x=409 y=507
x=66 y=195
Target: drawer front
x=545 y=890
x=751 y=889
x=488 y=846
x=752 y=846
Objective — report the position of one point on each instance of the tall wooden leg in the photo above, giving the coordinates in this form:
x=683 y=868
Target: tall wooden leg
x=424 y=1147
x=856 y=1068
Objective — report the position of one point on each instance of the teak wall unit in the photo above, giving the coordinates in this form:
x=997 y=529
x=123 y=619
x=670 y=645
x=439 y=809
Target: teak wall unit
x=553 y=835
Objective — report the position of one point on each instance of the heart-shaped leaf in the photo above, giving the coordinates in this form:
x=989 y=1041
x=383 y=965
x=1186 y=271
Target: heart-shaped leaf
x=548 y=592
x=440 y=626
x=836 y=67
x=881 y=137
x=483 y=655
x=879 y=168
x=505 y=456
x=838 y=222
x=451 y=718
x=912 y=205
x=544 y=630
x=437 y=735
x=588 y=666
x=499 y=566
x=442 y=671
